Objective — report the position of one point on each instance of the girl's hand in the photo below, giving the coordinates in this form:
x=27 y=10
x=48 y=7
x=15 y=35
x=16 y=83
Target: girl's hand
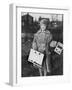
x=53 y=43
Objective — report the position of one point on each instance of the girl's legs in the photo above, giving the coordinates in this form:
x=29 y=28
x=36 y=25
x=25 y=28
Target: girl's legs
x=40 y=71
x=45 y=70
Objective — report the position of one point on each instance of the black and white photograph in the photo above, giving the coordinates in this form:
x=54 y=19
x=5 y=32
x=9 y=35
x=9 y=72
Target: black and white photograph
x=41 y=44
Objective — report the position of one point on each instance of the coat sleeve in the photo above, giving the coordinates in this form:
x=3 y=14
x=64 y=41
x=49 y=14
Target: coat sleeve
x=34 y=44
x=49 y=38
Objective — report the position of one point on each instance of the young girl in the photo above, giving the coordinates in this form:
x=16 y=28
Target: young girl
x=41 y=43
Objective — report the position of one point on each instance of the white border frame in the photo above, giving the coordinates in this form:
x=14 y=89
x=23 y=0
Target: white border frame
x=15 y=47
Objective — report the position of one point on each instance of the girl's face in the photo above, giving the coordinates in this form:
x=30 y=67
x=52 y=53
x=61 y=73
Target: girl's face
x=43 y=27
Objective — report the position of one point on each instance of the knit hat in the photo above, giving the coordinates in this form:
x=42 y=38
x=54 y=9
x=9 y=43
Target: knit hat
x=44 y=21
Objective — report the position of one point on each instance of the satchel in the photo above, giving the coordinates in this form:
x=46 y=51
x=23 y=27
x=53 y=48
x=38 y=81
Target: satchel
x=36 y=58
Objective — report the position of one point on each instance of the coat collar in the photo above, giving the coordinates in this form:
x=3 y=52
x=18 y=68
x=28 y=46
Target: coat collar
x=42 y=31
